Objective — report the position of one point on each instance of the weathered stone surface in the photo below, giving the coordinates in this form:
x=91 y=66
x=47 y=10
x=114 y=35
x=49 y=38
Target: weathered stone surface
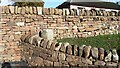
x=2 y=48
x=69 y=49
x=20 y=23
x=54 y=56
x=115 y=56
x=87 y=51
x=61 y=56
x=94 y=52
x=111 y=64
x=63 y=47
x=38 y=61
x=101 y=63
x=75 y=50
x=49 y=44
x=81 y=50
x=47 y=63
x=53 y=45
x=86 y=61
x=109 y=56
x=57 y=64
x=12 y=9
x=44 y=43
x=101 y=53
x=39 y=10
x=57 y=46
x=47 y=34
x=32 y=39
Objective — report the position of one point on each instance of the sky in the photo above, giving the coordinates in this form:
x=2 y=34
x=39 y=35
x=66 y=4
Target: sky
x=48 y=3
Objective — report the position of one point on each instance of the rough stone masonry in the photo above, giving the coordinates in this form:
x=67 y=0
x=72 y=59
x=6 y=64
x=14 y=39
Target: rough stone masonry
x=17 y=21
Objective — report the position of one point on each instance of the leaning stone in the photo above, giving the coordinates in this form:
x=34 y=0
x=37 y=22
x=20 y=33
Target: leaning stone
x=57 y=64
x=101 y=63
x=11 y=9
x=49 y=44
x=32 y=40
x=53 y=45
x=44 y=43
x=57 y=46
x=75 y=50
x=115 y=56
x=94 y=52
x=63 y=47
x=101 y=53
x=109 y=56
x=87 y=51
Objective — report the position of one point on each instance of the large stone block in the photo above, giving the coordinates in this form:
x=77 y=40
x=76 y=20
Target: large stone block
x=101 y=53
x=47 y=34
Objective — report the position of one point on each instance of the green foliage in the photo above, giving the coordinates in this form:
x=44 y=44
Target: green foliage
x=41 y=4
x=104 y=41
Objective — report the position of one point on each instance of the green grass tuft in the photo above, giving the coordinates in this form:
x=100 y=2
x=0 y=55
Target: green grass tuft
x=101 y=41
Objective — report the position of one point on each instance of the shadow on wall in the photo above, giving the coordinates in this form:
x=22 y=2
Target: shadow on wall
x=6 y=65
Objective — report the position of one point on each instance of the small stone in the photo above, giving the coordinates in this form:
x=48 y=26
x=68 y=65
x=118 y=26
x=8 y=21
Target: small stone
x=47 y=63
x=101 y=53
x=109 y=56
x=115 y=56
x=57 y=64
x=94 y=52
x=20 y=23
x=87 y=51
x=101 y=63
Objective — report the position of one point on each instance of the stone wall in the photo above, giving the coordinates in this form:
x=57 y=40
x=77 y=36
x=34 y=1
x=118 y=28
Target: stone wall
x=42 y=52
x=17 y=21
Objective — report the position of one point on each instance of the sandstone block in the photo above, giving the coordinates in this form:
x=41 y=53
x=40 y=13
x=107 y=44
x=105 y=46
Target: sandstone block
x=12 y=9
x=62 y=56
x=94 y=52
x=101 y=53
x=39 y=10
x=86 y=50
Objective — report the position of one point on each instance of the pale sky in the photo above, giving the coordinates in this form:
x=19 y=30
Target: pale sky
x=48 y=3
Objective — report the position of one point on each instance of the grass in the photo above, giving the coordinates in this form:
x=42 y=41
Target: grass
x=101 y=41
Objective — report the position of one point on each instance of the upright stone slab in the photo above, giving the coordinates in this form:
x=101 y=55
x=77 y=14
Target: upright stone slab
x=39 y=10
x=47 y=34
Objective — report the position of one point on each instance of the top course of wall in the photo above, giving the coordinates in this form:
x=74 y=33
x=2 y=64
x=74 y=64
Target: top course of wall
x=55 y=11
